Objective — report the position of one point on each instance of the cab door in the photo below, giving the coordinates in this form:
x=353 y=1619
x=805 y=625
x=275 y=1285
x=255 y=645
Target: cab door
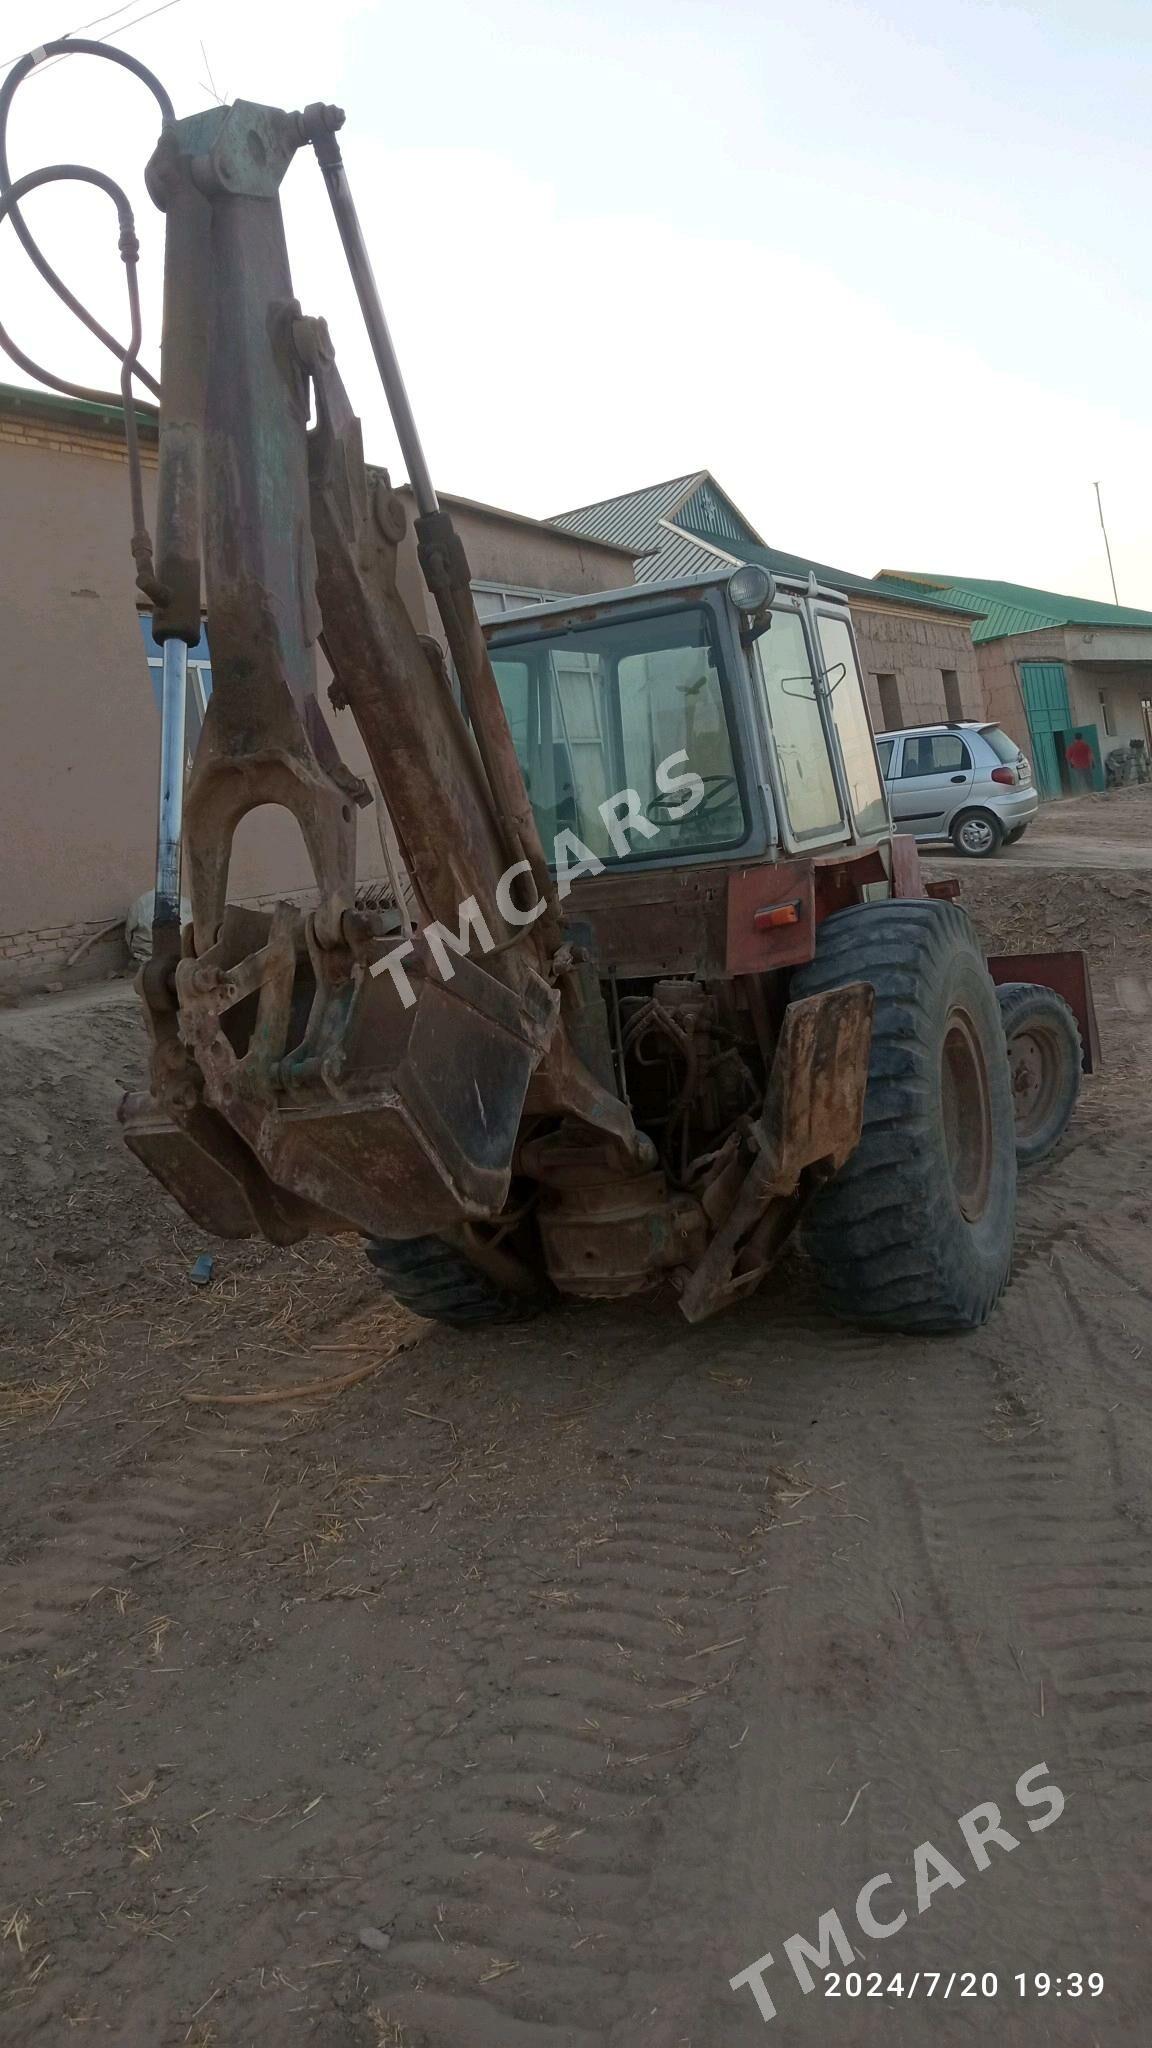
x=807 y=792
x=934 y=779
x=844 y=689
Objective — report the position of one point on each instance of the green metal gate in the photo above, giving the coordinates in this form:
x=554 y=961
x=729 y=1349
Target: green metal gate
x=1044 y=685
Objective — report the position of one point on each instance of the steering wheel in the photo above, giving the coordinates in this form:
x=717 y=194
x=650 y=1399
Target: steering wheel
x=717 y=788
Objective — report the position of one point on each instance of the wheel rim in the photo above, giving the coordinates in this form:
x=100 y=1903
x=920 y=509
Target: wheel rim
x=977 y=836
x=967 y=1114
x=1035 y=1064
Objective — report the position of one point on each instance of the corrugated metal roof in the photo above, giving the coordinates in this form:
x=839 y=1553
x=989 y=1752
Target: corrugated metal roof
x=632 y=518
x=802 y=566
x=1010 y=608
x=646 y=520
x=689 y=527
x=681 y=555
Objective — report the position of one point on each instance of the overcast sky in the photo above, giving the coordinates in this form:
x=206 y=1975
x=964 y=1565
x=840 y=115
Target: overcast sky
x=884 y=272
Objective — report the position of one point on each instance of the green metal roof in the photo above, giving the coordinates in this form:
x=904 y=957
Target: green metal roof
x=1010 y=608
x=18 y=398
x=802 y=566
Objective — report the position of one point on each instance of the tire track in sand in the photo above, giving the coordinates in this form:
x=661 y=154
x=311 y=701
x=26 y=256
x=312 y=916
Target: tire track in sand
x=75 y=1552
x=526 y=1922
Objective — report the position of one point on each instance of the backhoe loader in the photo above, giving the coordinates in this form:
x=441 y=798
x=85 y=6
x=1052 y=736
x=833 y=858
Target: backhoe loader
x=657 y=985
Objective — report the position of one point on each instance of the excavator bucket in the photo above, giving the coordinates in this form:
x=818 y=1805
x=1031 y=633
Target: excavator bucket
x=327 y=1101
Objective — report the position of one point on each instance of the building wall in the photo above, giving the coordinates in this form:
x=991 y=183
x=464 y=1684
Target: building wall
x=79 y=764
x=1125 y=679
x=1001 y=680
x=1124 y=693
x=514 y=554
x=80 y=761
x=916 y=648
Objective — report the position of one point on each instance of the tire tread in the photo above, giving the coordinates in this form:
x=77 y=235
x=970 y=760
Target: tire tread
x=883 y=1232
x=434 y=1280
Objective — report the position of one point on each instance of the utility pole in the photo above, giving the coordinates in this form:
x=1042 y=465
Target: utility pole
x=1107 y=549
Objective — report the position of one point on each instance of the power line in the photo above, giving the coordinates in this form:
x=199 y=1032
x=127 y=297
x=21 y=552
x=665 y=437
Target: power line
x=78 y=30
x=123 y=30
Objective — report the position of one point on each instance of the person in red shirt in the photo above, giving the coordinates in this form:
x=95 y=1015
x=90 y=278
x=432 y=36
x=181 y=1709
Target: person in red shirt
x=1079 y=759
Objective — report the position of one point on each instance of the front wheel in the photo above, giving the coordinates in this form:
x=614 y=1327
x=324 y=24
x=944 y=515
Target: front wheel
x=916 y=1230
x=435 y=1280
x=977 y=834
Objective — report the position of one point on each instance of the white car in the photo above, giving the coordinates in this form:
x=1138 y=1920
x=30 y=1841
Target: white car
x=966 y=782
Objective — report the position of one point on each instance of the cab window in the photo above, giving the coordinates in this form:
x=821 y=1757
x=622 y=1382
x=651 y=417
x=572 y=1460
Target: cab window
x=598 y=709
x=797 y=722
x=853 y=725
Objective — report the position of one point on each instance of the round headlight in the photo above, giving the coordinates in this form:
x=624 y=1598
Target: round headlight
x=751 y=588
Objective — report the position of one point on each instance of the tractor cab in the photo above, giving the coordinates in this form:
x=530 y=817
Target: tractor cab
x=704 y=721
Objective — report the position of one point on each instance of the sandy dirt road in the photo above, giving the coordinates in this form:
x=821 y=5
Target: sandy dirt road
x=523 y=1694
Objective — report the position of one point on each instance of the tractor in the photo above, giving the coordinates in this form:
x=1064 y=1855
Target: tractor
x=656 y=985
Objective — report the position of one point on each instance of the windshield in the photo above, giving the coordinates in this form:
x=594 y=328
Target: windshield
x=616 y=706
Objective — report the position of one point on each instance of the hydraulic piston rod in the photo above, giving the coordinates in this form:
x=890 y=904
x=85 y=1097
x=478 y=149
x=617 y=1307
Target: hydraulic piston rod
x=320 y=124
x=441 y=555
x=169 y=827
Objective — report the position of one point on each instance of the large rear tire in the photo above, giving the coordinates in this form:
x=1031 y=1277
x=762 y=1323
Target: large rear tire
x=916 y=1231
x=434 y=1280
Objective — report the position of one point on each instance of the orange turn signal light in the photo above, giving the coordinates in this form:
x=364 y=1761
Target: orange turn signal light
x=775 y=914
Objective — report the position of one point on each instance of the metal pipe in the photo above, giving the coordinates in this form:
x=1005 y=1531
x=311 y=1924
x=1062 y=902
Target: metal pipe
x=173 y=697
x=318 y=124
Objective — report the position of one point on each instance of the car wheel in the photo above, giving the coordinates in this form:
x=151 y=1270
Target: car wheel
x=1017 y=832
x=977 y=834
x=916 y=1230
x=1045 y=1060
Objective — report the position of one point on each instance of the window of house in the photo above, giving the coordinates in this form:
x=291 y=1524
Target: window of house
x=935 y=753
x=953 y=705
x=1106 y=714
x=891 y=709
x=493 y=599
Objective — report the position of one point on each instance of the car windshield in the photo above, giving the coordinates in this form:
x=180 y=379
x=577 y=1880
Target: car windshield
x=624 y=704
x=1003 y=748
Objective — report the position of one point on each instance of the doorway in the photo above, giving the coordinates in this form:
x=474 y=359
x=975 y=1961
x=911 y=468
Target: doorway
x=1044 y=688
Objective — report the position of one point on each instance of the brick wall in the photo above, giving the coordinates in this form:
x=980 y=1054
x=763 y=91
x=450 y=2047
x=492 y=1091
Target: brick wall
x=30 y=959
x=916 y=648
x=30 y=433
x=1001 y=678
